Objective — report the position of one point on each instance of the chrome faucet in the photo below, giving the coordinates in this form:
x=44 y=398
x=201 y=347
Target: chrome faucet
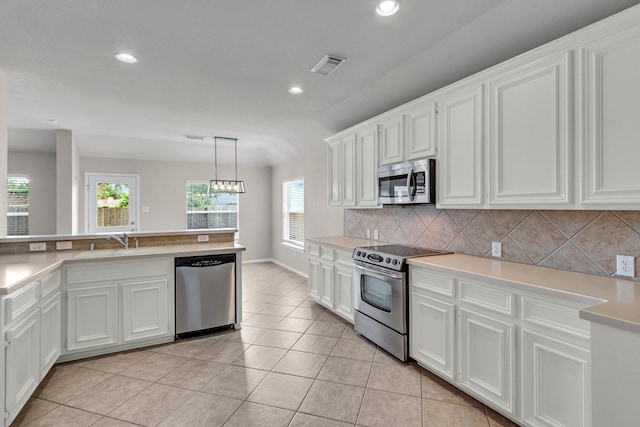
x=124 y=243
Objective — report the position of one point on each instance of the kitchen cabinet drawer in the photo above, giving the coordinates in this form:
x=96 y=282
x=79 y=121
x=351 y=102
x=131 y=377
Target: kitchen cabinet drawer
x=344 y=258
x=556 y=317
x=313 y=249
x=488 y=298
x=326 y=253
x=440 y=284
x=20 y=302
x=50 y=284
x=116 y=271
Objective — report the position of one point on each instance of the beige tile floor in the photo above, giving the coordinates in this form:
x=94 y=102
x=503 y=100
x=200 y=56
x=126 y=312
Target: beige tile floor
x=293 y=363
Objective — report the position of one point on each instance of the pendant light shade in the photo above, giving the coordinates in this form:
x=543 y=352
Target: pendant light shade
x=225 y=185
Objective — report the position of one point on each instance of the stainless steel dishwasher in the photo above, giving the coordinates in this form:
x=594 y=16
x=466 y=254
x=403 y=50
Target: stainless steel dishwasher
x=205 y=293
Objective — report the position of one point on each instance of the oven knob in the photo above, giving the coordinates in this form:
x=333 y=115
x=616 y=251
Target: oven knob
x=395 y=261
x=358 y=253
x=388 y=260
x=364 y=254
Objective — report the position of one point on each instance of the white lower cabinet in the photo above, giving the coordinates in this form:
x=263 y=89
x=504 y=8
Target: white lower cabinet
x=22 y=362
x=115 y=305
x=523 y=354
x=50 y=336
x=343 y=291
x=433 y=346
x=31 y=328
x=144 y=309
x=556 y=382
x=487 y=358
x=92 y=317
x=330 y=278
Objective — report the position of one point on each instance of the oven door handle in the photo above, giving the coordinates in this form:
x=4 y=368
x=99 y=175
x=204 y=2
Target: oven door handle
x=371 y=270
x=411 y=189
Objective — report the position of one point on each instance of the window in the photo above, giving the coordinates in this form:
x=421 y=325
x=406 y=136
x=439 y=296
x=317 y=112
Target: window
x=17 y=206
x=210 y=210
x=293 y=225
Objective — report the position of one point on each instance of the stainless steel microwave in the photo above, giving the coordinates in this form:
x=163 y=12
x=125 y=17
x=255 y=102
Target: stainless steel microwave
x=407 y=183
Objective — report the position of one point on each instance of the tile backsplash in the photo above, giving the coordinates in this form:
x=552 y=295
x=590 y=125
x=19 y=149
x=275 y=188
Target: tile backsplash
x=583 y=241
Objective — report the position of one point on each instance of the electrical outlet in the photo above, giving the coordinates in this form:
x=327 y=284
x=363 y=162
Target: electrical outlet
x=203 y=237
x=64 y=246
x=368 y=233
x=625 y=265
x=496 y=249
x=375 y=234
x=39 y=246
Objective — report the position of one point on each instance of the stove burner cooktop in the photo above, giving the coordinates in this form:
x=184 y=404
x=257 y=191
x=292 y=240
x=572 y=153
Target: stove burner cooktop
x=392 y=256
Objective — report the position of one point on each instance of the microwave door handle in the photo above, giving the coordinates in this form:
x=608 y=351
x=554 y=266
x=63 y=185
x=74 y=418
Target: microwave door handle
x=411 y=189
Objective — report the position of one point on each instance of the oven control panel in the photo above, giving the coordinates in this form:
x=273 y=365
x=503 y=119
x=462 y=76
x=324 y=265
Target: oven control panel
x=381 y=259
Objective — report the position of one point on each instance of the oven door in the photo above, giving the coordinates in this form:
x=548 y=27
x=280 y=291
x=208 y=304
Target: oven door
x=381 y=295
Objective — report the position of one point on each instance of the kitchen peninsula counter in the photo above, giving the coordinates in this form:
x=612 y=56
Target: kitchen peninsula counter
x=17 y=270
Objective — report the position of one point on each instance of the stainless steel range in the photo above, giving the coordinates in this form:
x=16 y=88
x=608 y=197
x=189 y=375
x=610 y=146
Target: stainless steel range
x=380 y=278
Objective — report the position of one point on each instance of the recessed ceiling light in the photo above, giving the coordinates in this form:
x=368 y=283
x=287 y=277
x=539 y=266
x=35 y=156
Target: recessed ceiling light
x=296 y=90
x=53 y=121
x=387 y=7
x=126 y=58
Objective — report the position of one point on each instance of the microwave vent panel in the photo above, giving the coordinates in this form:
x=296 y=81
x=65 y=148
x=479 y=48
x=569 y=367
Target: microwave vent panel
x=327 y=65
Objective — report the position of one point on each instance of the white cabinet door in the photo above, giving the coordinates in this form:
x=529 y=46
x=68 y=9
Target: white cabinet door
x=487 y=358
x=145 y=310
x=50 y=340
x=392 y=148
x=343 y=287
x=367 y=167
x=341 y=158
x=333 y=173
x=432 y=326
x=460 y=152
x=420 y=130
x=556 y=384
x=326 y=284
x=92 y=317
x=529 y=134
x=314 y=278
x=610 y=68
x=22 y=362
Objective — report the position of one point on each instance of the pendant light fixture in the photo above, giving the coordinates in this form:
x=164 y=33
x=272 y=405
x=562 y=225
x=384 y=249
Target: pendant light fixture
x=225 y=185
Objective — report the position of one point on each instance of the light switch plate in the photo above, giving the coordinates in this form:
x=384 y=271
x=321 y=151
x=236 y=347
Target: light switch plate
x=38 y=246
x=203 y=237
x=64 y=246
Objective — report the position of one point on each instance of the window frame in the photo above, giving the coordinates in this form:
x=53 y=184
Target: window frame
x=286 y=240
x=187 y=211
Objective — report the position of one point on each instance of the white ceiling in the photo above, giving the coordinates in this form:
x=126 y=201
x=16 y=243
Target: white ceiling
x=223 y=67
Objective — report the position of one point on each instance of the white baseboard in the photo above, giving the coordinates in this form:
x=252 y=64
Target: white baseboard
x=253 y=261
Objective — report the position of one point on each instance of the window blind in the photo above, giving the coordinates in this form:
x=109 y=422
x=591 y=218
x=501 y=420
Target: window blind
x=294 y=215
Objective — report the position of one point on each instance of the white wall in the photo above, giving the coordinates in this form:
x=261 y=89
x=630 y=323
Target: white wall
x=319 y=219
x=4 y=100
x=163 y=191
x=41 y=170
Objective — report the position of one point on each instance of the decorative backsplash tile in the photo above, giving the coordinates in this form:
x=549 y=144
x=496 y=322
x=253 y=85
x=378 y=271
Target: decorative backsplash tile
x=583 y=241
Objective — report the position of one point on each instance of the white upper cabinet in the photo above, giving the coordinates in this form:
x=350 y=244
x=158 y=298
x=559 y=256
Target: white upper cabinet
x=420 y=124
x=392 y=140
x=610 y=68
x=529 y=144
x=341 y=164
x=352 y=161
x=366 y=167
x=460 y=152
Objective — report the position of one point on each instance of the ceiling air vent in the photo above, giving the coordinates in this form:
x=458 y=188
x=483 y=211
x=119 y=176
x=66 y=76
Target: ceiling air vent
x=327 y=65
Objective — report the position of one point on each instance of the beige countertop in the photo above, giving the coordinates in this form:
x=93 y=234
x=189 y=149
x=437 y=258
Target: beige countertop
x=342 y=242
x=20 y=269
x=610 y=301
